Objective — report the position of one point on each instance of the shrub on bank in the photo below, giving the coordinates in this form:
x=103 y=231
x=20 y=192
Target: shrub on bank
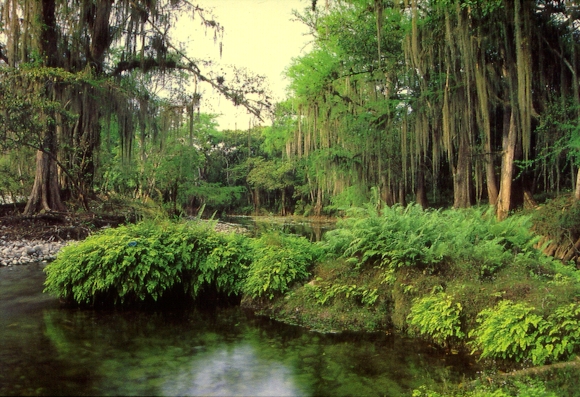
x=430 y=239
x=279 y=261
x=449 y=272
x=143 y=261
x=146 y=261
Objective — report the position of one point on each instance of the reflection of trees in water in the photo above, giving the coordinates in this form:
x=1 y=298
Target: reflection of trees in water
x=312 y=230
x=125 y=352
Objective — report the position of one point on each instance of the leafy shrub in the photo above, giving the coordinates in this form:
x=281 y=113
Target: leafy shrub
x=325 y=293
x=513 y=330
x=438 y=317
x=410 y=236
x=138 y=262
x=510 y=330
x=279 y=261
x=563 y=336
x=522 y=388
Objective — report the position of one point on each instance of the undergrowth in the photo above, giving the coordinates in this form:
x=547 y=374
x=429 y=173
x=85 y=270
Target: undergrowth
x=459 y=278
x=149 y=260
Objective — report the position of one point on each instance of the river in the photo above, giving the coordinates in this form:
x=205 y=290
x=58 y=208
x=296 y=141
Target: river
x=46 y=349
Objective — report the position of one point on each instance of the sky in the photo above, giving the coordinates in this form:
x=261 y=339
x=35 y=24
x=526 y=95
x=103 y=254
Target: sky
x=259 y=35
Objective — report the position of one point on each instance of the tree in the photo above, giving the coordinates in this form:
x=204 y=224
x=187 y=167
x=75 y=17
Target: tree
x=444 y=93
x=104 y=45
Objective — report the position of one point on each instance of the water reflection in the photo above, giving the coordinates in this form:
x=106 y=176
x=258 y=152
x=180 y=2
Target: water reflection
x=311 y=228
x=49 y=350
x=237 y=371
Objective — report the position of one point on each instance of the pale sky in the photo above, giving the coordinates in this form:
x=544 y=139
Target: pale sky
x=259 y=35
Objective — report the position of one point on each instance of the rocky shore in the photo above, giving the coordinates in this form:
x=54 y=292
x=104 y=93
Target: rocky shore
x=22 y=252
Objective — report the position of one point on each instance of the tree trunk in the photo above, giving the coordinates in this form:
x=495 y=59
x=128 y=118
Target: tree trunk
x=577 y=190
x=318 y=206
x=492 y=190
x=421 y=192
x=507 y=165
x=256 y=199
x=461 y=195
x=45 y=191
x=402 y=196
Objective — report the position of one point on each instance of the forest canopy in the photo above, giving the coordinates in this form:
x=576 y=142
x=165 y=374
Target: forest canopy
x=72 y=72
x=447 y=103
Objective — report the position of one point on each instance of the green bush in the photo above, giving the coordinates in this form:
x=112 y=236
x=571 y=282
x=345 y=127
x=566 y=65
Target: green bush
x=510 y=331
x=437 y=316
x=526 y=387
x=563 y=336
x=324 y=293
x=513 y=330
x=279 y=261
x=138 y=262
x=410 y=236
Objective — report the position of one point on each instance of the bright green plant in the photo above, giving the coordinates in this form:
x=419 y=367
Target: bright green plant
x=325 y=293
x=413 y=237
x=521 y=388
x=280 y=260
x=510 y=331
x=438 y=317
x=513 y=330
x=228 y=262
x=139 y=262
x=563 y=336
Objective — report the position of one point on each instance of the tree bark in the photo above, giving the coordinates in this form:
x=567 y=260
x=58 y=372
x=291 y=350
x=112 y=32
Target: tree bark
x=421 y=192
x=507 y=165
x=45 y=193
x=577 y=190
x=492 y=190
x=402 y=195
x=461 y=195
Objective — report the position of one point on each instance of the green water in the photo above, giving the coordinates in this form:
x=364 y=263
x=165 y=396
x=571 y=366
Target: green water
x=49 y=350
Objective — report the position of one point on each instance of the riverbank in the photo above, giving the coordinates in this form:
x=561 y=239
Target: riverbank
x=29 y=239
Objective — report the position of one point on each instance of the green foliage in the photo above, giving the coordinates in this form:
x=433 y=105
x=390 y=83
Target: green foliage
x=411 y=236
x=509 y=330
x=269 y=175
x=324 y=293
x=438 y=317
x=145 y=261
x=279 y=261
x=15 y=175
x=563 y=336
x=142 y=262
x=513 y=330
x=526 y=387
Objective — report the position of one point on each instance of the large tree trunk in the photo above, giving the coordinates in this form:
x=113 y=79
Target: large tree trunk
x=507 y=165
x=45 y=191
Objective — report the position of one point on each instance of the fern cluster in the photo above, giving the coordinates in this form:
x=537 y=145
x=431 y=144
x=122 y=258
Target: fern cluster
x=437 y=316
x=279 y=261
x=412 y=237
x=515 y=331
x=145 y=261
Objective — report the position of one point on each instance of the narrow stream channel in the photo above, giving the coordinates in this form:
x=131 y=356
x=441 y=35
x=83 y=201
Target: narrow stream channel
x=49 y=350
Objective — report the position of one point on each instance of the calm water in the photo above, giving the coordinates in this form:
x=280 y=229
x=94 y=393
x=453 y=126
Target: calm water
x=47 y=349
x=311 y=228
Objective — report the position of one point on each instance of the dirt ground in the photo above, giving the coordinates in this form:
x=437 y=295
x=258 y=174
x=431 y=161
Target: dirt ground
x=51 y=226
